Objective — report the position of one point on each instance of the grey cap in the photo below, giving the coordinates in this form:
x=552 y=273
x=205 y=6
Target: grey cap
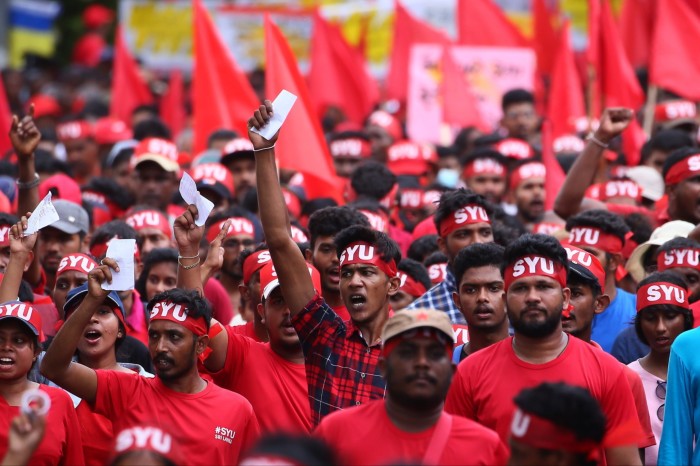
x=649 y=179
x=72 y=218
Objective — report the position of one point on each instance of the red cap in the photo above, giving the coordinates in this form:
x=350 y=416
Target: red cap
x=352 y=148
x=410 y=158
x=77 y=262
x=298 y=235
x=387 y=122
x=110 y=130
x=212 y=174
x=25 y=313
x=160 y=151
x=74 y=130
x=239 y=226
x=149 y=219
x=569 y=143
x=64 y=188
x=234 y=148
x=585 y=261
x=253 y=263
x=44 y=105
x=675 y=111
x=292 y=202
x=269 y=280
x=95 y=16
x=425 y=227
x=515 y=149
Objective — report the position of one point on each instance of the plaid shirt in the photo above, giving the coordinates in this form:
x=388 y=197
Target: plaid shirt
x=440 y=297
x=341 y=369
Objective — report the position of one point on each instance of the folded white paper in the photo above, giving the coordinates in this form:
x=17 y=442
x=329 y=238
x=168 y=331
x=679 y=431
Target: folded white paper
x=188 y=191
x=122 y=251
x=44 y=215
x=281 y=107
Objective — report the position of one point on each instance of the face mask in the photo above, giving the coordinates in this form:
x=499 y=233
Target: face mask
x=448 y=177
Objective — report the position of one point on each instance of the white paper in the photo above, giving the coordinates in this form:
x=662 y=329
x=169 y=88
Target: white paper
x=281 y=107
x=188 y=191
x=44 y=215
x=122 y=251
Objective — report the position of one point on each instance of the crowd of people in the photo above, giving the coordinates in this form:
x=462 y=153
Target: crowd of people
x=454 y=309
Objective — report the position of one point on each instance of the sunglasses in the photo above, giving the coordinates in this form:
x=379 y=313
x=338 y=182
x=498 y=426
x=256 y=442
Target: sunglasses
x=661 y=394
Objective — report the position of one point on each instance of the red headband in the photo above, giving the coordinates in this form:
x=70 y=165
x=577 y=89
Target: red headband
x=483 y=167
x=534 y=266
x=5 y=235
x=591 y=236
x=662 y=293
x=354 y=148
x=364 y=253
x=411 y=286
x=150 y=219
x=76 y=262
x=541 y=433
x=177 y=313
x=437 y=272
x=526 y=171
x=377 y=221
x=467 y=215
x=253 y=263
x=621 y=188
x=684 y=169
x=688 y=257
x=239 y=226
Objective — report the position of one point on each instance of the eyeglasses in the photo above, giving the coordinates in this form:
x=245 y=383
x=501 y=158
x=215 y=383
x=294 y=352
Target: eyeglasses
x=661 y=394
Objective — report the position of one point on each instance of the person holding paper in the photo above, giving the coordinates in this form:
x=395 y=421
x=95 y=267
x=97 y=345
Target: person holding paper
x=213 y=425
x=335 y=352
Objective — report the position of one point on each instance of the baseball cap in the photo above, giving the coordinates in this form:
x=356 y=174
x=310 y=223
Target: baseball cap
x=269 y=280
x=674 y=113
x=110 y=130
x=25 y=313
x=72 y=218
x=410 y=158
x=76 y=296
x=666 y=232
x=649 y=179
x=62 y=187
x=239 y=147
x=44 y=105
x=585 y=265
x=160 y=151
x=403 y=321
x=514 y=149
x=387 y=122
x=74 y=130
x=215 y=177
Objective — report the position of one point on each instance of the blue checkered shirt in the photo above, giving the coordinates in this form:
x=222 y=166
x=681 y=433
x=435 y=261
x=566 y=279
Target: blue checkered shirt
x=440 y=297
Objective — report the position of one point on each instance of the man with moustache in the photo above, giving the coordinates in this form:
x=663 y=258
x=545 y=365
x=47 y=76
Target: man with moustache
x=527 y=192
x=535 y=270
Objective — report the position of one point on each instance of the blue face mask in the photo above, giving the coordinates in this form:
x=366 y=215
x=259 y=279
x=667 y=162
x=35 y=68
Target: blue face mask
x=448 y=177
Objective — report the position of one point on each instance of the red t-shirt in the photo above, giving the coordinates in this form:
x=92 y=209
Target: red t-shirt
x=366 y=435
x=342 y=312
x=61 y=443
x=210 y=427
x=695 y=310
x=275 y=387
x=97 y=434
x=487 y=381
x=247 y=330
x=215 y=292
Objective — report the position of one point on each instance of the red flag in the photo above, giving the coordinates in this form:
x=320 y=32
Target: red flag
x=566 y=101
x=221 y=94
x=338 y=74
x=673 y=62
x=481 y=22
x=544 y=38
x=172 y=105
x=407 y=31
x=636 y=25
x=5 y=121
x=302 y=146
x=555 y=175
x=128 y=88
x=459 y=105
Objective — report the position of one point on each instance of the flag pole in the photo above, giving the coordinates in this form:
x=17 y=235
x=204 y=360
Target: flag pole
x=652 y=97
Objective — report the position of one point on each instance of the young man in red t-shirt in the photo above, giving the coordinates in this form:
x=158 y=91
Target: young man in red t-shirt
x=211 y=425
x=409 y=425
x=535 y=271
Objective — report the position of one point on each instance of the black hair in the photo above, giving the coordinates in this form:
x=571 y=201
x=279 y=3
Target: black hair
x=505 y=228
x=575 y=279
x=151 y=128
x=535 y=244
x=150 y=108
x=8 y=219
x=438 y=257
x=297 y=449
x=668 y=277
x=386 y=247
x=220 y=135
x=516 y=96
x=45 y=162
x=678 y=243
x=462 y=142
x=156 y=256
x=451 y=201
x=372 y=179
x=676 y=156
x=197 y=305
x=120 y=459
x=416 y=271
x=109 y=230
x=481 y=153
x=111 y=190
x=640 y=226
x=477 y=255
x=339 y=136
x=329 y=221
x=447 y=151
x=319 y=203
x=422 y=247
x=607 y=221
x=666 y=140
x=569 y=407
x=371 y=205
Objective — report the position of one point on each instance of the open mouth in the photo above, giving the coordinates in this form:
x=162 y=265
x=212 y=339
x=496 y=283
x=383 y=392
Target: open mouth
x=92 y=336
x=357 y=301
x=6 y=362
x=334 y=274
